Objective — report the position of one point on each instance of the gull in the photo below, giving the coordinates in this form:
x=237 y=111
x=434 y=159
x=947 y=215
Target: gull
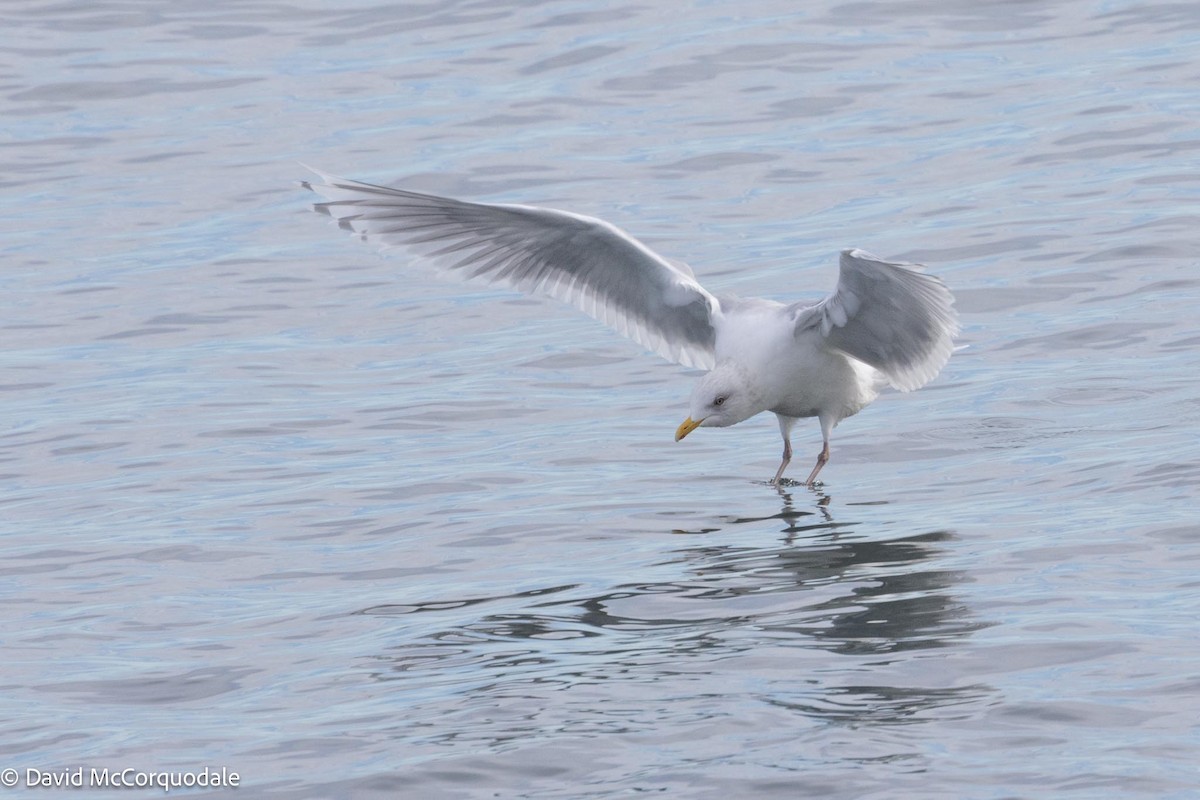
x=886 y=323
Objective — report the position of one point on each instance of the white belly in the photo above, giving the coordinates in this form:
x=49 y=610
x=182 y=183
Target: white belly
x=796 y=376
x=828 y=384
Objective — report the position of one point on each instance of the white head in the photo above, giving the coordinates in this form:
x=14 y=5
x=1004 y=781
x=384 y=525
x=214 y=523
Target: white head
x=723 y=397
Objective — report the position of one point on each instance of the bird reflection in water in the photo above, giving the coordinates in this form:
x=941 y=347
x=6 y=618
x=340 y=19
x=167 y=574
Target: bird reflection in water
x=823 y=588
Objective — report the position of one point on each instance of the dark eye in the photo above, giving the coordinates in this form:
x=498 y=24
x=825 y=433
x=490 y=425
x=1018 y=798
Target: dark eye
x=720 y=401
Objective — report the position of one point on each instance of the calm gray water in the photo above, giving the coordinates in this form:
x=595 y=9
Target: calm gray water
x=275 y=504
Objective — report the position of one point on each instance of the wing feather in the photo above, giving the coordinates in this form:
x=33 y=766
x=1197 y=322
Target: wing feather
x=584 y=261
x=895 y=317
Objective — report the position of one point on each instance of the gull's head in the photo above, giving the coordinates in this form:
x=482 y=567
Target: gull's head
x=723 y=397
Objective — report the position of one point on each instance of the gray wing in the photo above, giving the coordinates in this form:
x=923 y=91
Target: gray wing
x=587 y=262
x=895 y=317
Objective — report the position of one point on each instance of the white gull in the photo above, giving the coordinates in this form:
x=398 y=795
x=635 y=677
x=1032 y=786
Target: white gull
x=885 y=323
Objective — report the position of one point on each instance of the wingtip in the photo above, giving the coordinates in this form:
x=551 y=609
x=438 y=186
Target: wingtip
x=325 y=177
x=858 y=254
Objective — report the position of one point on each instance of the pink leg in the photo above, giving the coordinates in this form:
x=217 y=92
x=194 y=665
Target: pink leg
x=787 y=458
x=822 y=460
x=785 y=430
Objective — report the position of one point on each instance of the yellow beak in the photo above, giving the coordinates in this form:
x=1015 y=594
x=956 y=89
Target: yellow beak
x=687 y=427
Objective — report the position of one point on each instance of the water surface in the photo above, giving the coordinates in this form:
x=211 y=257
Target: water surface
x=276 y=504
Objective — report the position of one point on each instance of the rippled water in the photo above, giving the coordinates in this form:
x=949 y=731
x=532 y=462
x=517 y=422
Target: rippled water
x=275 y=504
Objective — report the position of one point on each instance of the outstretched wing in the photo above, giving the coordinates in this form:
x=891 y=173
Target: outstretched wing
x=587 y=262
x=895 y=317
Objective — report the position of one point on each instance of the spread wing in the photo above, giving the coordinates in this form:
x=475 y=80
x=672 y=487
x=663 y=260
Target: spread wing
x=584 y=261
x=895 y=317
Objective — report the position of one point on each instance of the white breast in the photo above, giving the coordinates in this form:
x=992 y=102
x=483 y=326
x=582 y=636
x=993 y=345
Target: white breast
x=797 y=376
